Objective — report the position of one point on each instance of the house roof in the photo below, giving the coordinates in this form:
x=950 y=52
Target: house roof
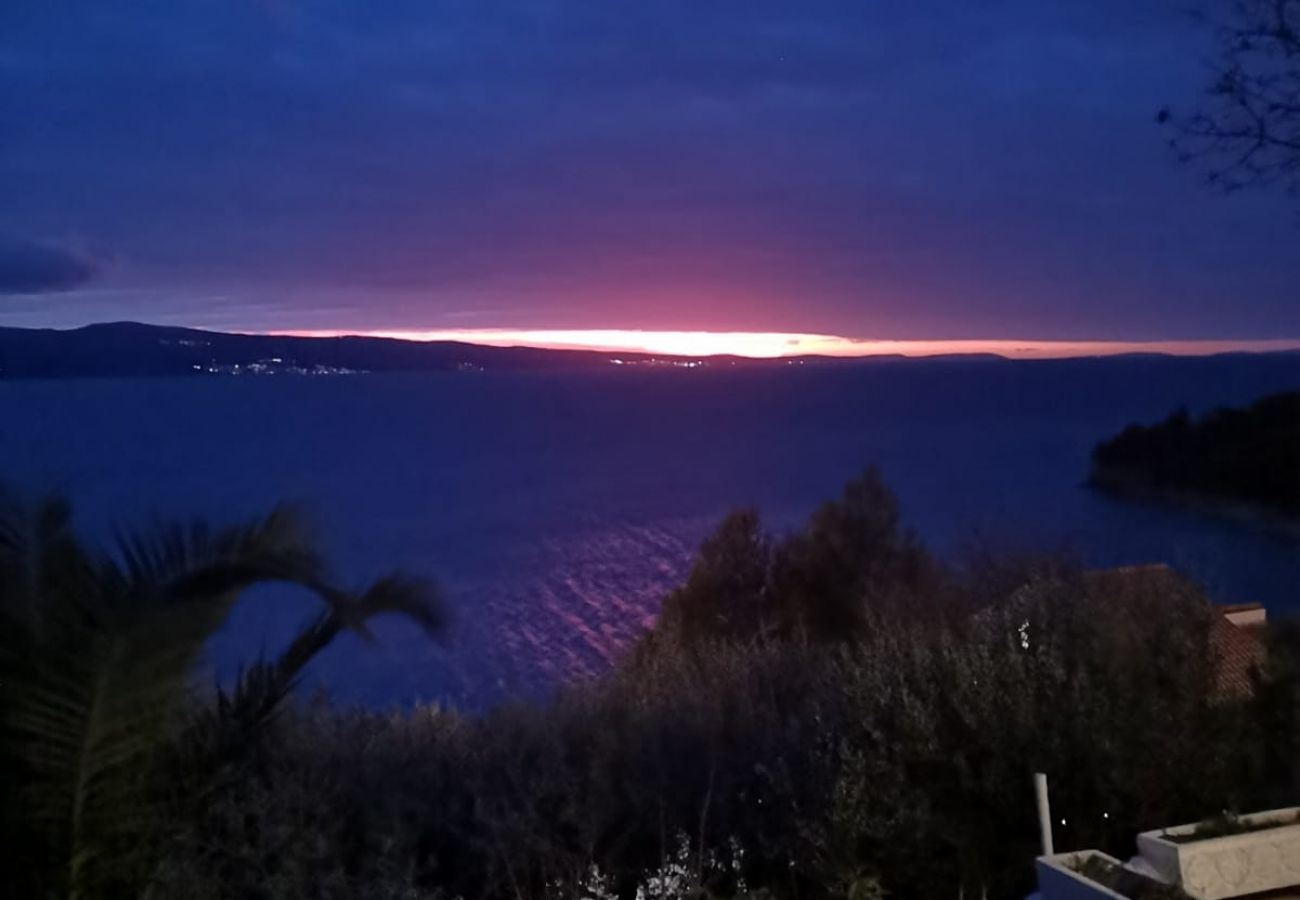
x=1240 y=650
x=1236 y=633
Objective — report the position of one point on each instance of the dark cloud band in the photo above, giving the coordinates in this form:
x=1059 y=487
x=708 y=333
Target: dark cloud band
x=29 y=268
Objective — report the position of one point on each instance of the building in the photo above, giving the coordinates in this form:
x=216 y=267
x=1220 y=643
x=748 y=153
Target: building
x=1237 y=635
x=1251 y=856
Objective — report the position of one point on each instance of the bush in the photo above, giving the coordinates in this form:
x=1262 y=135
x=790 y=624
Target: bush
x=754 y=745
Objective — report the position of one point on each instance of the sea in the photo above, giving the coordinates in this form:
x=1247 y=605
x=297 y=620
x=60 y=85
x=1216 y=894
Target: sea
x=556 y=509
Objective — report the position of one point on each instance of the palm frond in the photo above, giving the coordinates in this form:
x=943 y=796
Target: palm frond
x=411 y=597
x=39 y=554
x=416 y=599
x=96 y=654
x=260 y=691
x=96 y=676
x=180 y=561
x=85 y=710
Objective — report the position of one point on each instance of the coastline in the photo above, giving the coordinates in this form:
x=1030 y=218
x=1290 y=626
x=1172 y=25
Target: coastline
x=1122 y=484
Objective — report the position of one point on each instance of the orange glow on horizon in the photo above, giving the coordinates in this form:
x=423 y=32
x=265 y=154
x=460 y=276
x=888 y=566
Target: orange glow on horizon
x=768 y=345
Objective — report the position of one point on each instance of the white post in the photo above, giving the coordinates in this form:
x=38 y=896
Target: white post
x=1044 y=813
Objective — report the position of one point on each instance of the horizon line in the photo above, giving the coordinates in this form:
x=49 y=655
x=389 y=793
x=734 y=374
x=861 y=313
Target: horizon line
x=775 y=345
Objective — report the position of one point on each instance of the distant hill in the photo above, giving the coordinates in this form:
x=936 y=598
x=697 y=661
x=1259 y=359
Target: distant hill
x=127 y=349
x=1249 y=455
x=132 y=349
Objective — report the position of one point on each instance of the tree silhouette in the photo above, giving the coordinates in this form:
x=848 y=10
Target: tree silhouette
x=1246 y=130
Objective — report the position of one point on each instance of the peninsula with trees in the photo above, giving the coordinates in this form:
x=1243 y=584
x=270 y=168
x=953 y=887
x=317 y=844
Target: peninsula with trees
x=1248 y=457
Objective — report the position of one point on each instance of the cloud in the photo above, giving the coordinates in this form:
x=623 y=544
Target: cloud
x=885 y=168
x=27 y=267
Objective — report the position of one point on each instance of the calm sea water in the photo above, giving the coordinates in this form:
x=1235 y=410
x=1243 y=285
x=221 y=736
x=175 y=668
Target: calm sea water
x=556 y=509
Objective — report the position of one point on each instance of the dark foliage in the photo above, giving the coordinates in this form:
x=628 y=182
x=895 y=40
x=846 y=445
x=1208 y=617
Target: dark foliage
x=886 y=744
x=97 y=648
x=728 y=591
x=1250 y=455
x=818 y=583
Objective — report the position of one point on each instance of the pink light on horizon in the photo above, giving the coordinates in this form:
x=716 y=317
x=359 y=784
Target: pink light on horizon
x=768 y=345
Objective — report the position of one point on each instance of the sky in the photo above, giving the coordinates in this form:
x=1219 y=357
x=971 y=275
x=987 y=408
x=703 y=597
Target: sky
x=910 y=170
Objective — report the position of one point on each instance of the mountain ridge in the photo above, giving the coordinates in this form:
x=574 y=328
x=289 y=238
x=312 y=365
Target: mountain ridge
x=108 y=349
x=129 y=349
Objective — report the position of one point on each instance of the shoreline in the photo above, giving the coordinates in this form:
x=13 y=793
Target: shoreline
x=1124 y=485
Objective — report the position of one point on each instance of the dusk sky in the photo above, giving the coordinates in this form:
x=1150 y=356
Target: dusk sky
x=874 y=170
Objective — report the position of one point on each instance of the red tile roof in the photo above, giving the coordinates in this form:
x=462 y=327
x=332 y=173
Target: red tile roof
x=1235 y=637
x=1240 y=650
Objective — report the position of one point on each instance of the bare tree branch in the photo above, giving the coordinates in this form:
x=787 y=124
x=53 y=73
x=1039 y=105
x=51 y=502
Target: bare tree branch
x=1246 y=129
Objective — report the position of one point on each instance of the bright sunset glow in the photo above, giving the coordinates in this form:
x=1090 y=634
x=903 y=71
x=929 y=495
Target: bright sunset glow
x=766 y=345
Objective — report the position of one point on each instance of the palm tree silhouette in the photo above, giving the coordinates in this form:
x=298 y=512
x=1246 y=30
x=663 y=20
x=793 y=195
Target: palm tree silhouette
x=97 y=652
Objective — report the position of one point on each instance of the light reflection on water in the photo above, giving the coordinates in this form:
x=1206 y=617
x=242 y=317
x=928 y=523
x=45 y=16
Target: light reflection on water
x=557 y=509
